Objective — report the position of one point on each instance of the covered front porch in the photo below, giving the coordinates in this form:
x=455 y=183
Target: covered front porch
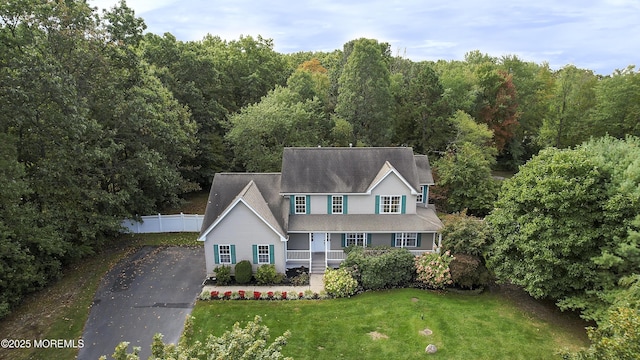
x=320 y=250
x=318 y=240
x=313 y=250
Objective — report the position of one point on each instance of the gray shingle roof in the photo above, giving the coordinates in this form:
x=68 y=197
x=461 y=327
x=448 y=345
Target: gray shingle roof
x=325 y=170
x=342 y=170
x=425 y=220
x=227 y=187
x=424 y=170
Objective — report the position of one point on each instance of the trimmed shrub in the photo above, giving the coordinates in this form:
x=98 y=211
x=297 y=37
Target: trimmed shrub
x=339 y=283
x=433 y=269
x=223 y=275
x=301 y=279
x=381 y=268
x=468 y=271
x=243 y=272
x=267 y=275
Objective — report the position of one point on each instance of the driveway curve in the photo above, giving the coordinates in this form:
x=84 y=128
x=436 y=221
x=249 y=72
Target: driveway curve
x=150 y=292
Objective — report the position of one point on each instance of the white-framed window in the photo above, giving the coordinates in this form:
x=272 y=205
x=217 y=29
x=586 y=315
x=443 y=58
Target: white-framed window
x=406 y=240
x=263 y=254
x=224 y=254
x=337 y=204
x=354 y=239
x=300 y=203
x=419 y=198
x=390 y=204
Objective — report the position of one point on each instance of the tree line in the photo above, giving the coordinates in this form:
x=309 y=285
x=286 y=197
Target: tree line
x=101 y=121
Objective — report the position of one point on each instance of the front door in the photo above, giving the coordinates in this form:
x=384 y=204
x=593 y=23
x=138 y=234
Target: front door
x=317 y=242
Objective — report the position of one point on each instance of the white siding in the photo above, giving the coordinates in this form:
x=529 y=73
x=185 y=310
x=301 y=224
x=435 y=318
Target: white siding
x=243 y=228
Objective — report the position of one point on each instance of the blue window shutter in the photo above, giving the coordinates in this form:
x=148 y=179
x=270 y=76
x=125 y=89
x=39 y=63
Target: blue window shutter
x=425 y=193
x=329 y=204
x=307 y=204
x=233 y=254
x=344 y=240
x=393 y=239
x=345 y=204
x=403 y=204
x=216 y=254
x=419 y=241
x=292 y=204
x=272 y=255
x=377 y=204
x=255 y=253
x=369 y=239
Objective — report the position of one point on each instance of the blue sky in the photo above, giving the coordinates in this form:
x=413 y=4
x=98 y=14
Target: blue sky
x=597 y=35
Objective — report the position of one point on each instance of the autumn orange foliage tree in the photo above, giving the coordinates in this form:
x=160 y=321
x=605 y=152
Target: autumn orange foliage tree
x=497 y=104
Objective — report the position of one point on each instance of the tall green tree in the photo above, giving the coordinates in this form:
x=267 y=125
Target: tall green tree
x=30 y=248
x=364 y=96
x=534 y=84
x=463 y=174
x=617 y=109
x=573 y=99
x=260 y=132
x=564 y=225
x=96 y=137
x=422 y=115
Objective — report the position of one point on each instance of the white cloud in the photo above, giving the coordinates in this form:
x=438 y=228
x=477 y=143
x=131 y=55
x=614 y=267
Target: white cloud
x=604 y=34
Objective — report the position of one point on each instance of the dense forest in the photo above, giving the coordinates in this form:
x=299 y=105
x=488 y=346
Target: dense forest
x=102 y=122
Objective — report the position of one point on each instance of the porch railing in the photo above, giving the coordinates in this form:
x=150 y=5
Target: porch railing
x=336 y=255
x=299 y=255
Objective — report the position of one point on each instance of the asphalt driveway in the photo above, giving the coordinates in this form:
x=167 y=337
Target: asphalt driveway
x=150 y=292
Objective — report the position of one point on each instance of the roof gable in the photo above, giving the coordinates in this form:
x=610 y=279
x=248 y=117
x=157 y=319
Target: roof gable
x=342 y=170
x=259 y=192
x=385 y=171
x=251 y=197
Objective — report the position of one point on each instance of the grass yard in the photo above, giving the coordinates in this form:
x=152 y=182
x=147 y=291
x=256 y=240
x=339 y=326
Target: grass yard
x=486 y=326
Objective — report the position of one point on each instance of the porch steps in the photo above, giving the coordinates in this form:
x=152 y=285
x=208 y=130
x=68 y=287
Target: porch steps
x=317 y=263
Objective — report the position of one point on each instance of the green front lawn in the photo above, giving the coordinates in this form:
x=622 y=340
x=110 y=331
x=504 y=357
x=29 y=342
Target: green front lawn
x=486 y=326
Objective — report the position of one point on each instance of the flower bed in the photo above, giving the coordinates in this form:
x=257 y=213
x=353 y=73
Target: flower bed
x=268 y=295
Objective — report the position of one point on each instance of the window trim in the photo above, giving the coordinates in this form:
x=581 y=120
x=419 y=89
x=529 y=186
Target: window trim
x=358 y=236
x=221 y=254
x=334 y=205
x=268 y=254
x=296 y=204
x=390 y=204
x=402 y=240
x=420 y=196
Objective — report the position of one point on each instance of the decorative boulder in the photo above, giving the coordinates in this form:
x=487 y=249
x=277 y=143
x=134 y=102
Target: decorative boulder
x=431 y=349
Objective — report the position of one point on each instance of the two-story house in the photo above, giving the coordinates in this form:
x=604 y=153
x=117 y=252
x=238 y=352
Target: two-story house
x=324 y=200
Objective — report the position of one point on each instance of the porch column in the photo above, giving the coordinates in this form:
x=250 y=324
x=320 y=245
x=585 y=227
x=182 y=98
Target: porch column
x=310 y=253
x=439 y=242
x=286 y=253
x=326 y=250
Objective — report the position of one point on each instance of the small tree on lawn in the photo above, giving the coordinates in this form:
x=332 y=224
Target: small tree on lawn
x=248 y=343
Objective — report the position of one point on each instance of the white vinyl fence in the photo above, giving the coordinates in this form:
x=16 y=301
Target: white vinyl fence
x=165 y=223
